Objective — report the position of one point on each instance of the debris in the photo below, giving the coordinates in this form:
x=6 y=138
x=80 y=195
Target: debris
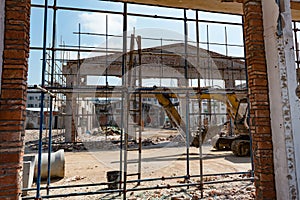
x=75 y=178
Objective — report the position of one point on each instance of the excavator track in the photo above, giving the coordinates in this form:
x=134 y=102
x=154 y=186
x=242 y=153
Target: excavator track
x=241 y=147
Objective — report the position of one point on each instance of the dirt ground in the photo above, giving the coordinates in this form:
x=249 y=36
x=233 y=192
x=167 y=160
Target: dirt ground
x=162 y=158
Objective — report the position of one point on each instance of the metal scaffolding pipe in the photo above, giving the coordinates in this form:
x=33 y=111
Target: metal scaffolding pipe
x=127 y=89
x=132 y=14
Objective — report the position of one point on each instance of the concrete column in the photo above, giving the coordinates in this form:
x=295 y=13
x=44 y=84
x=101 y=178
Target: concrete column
x=285 y=109
x=84 y=117
x=182 y=101
x=229 y=83
x=68 y=118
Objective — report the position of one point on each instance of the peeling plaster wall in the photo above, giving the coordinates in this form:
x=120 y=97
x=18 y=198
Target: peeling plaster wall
x=2 y=12
x=285 y=110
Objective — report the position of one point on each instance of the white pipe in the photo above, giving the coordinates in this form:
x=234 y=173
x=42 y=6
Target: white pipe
x=57 y=165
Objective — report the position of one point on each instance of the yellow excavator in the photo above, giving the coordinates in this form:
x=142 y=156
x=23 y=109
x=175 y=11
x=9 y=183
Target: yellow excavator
x=237 y=109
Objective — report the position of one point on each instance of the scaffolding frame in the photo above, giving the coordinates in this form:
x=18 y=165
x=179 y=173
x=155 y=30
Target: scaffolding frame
x=124 y=91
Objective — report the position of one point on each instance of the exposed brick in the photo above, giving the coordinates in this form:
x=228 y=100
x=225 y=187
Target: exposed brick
x=12 y=146
x=264 y=145
x=10 y=158
x=15 y=34
x=14 y=54
x=13 y=96
x=10 y=136
x=17 y=14
x=262 y=113
x=259 y=102
x=11 y=115
x=14 y=127
x=16 y=94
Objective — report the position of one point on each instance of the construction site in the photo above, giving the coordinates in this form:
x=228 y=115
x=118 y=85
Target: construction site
x=144 y=99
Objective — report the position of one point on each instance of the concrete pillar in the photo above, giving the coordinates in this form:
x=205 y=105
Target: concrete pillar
x=71 y=105
x=68 y=118
x=229 y=83
x=84 y=119
x=182 y=101
x=285 y=108
x=14 y=66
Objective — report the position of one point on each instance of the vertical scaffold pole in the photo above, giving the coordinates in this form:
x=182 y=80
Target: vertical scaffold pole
x=38 y=182
x=51 y=98
x=199 y=106
x=187 y=97
x=139 y=44
x=124 y=94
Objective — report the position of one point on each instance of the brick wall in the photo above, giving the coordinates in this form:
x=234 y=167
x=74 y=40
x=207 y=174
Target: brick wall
x=13 y=96
x=259 y=101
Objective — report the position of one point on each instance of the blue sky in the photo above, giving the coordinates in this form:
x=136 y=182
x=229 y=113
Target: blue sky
x=68 y=22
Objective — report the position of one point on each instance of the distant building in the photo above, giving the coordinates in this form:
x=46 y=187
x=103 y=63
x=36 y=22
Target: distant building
x=33 y=108
x=34 y=100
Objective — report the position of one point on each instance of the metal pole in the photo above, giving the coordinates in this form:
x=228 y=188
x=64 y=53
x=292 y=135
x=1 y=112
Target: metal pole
x=144 y=188
x=74 y=138
x=106 y=74
x=38 y=182
x=187 y=97
x=226 y=42
x=122 y=101
x=51 y=98
x=296 y=44
x=208 y=55
x=139 y=44
x=200 y=107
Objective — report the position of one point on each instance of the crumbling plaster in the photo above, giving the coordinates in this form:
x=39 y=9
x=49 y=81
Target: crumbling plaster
x=284 y=104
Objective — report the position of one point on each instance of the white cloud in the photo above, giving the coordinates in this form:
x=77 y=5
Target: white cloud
x=96 y=23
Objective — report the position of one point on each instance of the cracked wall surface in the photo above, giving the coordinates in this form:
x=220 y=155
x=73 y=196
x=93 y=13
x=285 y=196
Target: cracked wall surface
x=283 y=101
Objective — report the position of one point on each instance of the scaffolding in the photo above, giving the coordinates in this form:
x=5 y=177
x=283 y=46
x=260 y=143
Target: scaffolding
x=191 y=63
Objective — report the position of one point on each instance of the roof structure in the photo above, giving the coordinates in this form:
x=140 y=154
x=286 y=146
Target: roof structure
x=167 y=61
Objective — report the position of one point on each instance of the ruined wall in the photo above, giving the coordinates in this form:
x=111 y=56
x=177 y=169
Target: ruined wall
x=259 y=100
x=13 y=96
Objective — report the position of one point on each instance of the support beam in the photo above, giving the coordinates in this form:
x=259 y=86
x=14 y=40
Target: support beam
x=285 y=107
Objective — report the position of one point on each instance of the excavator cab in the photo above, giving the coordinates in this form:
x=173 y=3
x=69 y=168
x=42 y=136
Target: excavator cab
x=241 y=118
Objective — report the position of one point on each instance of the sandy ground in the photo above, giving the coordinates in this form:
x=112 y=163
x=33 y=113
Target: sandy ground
x=165 y=159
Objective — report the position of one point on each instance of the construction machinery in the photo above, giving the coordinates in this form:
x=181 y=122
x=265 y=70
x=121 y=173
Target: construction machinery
x=239 y=141
x=237 y=109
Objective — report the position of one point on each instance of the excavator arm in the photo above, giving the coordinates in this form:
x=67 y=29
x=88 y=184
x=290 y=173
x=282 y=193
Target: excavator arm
x=164 y=95
x=172 y=113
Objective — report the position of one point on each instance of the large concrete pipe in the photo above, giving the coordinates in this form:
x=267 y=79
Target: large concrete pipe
x=57 y=165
